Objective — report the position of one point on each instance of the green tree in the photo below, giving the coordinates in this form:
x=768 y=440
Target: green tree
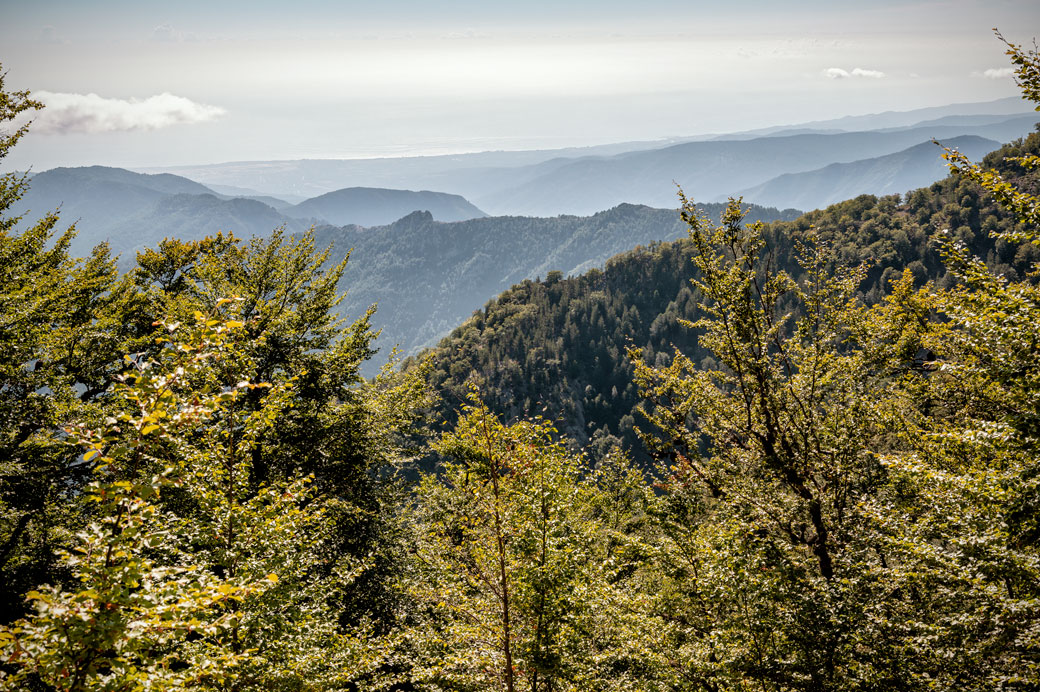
x=771 y=456
x=210 y=454
x=64 y=325
x=961 y=521
x=503 y=557
x=187 y=575
x=532 y=574
x=852 y=492
x=348 y=433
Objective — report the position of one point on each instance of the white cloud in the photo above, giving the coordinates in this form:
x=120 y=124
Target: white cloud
x=839 y=73
x=66 y=113
x=870 y=74
x=998 y=73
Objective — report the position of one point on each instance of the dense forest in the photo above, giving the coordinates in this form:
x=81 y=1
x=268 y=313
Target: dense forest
x=837 y=489
x=561 y=347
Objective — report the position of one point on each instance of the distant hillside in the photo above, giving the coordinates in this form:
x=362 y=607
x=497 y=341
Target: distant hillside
x=896 y=173
x=278 y=202
x=427 y=276
x=84 y=177
x=461 y=173
x=191 y=217
x=132 y=211
x=370 y=206
x=711 y=169
x=556 y=347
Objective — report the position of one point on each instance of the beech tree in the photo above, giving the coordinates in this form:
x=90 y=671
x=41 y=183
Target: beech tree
x=852 y=492
x=531 y=571
x=191 y=483
x=186 y=575
x=64 y=325
x=770 y=456
x=962 y=520
x=344 y=431
x=503 y=557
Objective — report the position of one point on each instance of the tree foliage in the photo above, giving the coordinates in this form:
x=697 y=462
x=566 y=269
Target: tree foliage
x=64 y=325
x=527 y=566
x=192 y=473
x=853 y=487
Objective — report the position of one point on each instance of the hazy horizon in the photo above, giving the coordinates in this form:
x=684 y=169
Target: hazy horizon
x=148 y=85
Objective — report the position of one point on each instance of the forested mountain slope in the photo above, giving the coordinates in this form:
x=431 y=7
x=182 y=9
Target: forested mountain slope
x=427 y=277
x=200 y=491
x=558 y=346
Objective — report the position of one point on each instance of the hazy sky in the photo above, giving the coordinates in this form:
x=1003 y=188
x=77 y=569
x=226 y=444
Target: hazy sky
x=139 y=83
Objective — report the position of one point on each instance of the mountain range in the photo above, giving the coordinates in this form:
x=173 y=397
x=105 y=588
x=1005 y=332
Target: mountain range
x=710 y=170
x=586 y=180
x=429 y=259
x=558 y=347
x=131 y=211
x=918 y=166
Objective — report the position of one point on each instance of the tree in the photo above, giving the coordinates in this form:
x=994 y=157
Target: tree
x=349 y=434
x=166 y=548
x=853 y=491
x=503 y=551
x=186 y=576
x=64 y=325
x=529 y=570
x=962 y=521
x=770 y=456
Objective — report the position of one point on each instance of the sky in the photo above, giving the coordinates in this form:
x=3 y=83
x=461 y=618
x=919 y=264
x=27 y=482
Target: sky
x=147 y=84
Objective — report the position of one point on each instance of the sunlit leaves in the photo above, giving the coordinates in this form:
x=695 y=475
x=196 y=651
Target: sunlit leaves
x=189 y=575
x=528 y=571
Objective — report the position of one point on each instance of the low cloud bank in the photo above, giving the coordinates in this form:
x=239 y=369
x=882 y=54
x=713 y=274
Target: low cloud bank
x=68 y=113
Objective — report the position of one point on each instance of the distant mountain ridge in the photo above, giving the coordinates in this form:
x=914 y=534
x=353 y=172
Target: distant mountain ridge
x=999 y=109
x=712 y=169
x=584 y=180
x=131 y=211
x=427 y=275
x=912 y=168
x=164 y=183
x=371 y=206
